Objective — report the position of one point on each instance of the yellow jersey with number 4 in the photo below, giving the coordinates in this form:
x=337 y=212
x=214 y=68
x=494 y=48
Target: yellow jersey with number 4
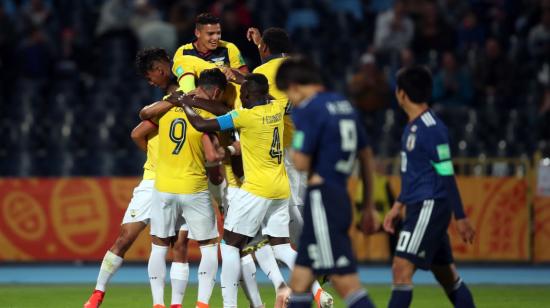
x=261 y=131
x=180 y=166
x=269 y=70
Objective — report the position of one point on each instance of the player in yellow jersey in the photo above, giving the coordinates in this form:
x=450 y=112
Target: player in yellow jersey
x=262 y=200
x=138 y=213
x=274 y=46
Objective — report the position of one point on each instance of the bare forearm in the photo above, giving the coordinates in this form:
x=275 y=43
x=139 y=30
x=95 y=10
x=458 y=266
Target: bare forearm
x=367 y=174
x=154 y=110
x=200 y=124
x=213 y=107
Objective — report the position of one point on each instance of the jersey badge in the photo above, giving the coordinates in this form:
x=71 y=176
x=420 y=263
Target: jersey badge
x=411 y=142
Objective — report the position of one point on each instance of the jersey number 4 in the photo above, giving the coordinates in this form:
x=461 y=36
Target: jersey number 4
x=276 y=151
x=348 y=136
x=178 y=129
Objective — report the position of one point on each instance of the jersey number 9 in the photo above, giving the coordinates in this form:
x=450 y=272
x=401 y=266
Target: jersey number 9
x=348 y=137
x=178 y=129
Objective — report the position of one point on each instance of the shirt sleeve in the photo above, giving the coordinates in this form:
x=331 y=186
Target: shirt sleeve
x=240 y=118
x=225 y=121
x=236 y=60
x=307 y=131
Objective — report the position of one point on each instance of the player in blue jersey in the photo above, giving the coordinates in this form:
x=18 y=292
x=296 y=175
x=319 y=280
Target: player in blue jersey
x=326 y=143
x=430 y=195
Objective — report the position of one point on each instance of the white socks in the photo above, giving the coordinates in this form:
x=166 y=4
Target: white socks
x=179 y=276
x=157 y=272
x=231 y=270
x=109 y=266
x=248 y=270
x=269 y=266
x=207 y=272
x=287 y=255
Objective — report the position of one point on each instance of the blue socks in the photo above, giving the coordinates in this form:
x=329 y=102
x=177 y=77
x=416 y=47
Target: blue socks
x=300 y=300
x=401 y=296
x=359 y=299
x=460 y=296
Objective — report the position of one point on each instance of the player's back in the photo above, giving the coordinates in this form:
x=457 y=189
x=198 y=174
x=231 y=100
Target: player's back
x=329 y=130
x=261 y=131
x=180 y=167
x=424 y=143
x=269 y=70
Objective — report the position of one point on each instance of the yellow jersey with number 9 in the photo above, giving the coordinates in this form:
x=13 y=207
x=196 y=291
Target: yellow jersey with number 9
x=261 y=131
x=269 y=70
x=180 y=166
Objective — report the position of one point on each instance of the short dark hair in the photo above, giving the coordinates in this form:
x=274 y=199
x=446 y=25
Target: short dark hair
x=206 y=19
x=257 y=83
x=298 y=70
x=212 y=78
x=277 y=40
x=146 y=57
x=416 y=81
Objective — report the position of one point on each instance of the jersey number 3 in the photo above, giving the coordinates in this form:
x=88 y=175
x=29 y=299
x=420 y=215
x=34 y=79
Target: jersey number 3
x=178 y=129
x=275 y=151
x=348 y=135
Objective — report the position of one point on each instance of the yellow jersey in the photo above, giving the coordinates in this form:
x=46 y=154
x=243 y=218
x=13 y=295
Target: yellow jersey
x=269 y=70
x=261 y=129
x=226 y=54
x=150 y=166
x=180 y=167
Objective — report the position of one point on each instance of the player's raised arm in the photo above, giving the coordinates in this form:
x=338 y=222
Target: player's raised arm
x=141 y=131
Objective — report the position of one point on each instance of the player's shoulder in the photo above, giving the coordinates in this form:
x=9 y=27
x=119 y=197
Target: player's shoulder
x=230 y=46
x=430 y=121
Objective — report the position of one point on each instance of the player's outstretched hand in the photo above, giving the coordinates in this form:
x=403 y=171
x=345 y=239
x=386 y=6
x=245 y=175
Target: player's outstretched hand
x=370 y=223
x=391 y=217
x=253 y=35
x=466 y=230
x=174 y=97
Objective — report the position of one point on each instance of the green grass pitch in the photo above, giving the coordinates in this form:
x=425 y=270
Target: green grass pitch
x=138 y=295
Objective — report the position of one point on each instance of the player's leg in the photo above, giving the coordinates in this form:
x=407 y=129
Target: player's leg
x=241 y=223
x=135 y=220
x=164 y=216
x=445 y=272
x=179 y=271
x=200 y=216
x=402 y=273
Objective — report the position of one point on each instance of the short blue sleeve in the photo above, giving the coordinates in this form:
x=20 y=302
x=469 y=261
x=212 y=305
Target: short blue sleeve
x=225 y=121
x=308 y=126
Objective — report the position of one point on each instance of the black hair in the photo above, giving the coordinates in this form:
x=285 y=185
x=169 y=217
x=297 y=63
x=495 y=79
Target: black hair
x=416 y=81
x=277 y=40
x=145 y=59
x=297 y=70
x=212 y=78
x=206 y=19
x=257 y=83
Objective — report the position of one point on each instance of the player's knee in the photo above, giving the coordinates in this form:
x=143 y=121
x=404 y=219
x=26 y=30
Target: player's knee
x=180 y=251
x=402 y=271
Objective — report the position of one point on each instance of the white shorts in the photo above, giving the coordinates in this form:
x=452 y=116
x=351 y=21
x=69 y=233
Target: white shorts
x=139 y=209
x=230 y=192
x=248 y=212
x=171 y=211
x=298 y=181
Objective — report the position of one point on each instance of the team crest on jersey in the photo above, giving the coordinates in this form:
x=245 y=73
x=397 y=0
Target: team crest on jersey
x=411 y=142
x=219 y=61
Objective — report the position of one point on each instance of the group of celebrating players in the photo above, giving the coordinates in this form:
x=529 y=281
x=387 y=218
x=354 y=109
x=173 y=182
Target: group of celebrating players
x=274 y=149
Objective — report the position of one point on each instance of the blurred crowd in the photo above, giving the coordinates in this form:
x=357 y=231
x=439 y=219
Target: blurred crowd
x=69 y=94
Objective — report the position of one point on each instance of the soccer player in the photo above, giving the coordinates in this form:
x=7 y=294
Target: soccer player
x=209 y=47
x=274 y=46
x=262 y=200
x=430 y=195
x=180 y=195
x=150 y=64
x=326 y=143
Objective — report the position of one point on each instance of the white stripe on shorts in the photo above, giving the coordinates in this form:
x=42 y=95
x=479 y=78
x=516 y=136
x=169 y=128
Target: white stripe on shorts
x=420 y=228
x=320 y=227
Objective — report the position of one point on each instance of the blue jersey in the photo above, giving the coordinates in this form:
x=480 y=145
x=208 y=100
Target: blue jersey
x=425 y=160
x=329 y=131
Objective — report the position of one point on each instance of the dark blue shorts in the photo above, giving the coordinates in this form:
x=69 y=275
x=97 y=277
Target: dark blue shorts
x=324 y=244
x=423 y=240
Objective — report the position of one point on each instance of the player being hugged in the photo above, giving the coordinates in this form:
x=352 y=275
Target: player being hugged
x=326 y=143
x=429 y=194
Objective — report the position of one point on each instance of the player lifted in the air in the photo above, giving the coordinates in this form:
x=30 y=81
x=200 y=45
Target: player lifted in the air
x=430 y=195
x=327 y=141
